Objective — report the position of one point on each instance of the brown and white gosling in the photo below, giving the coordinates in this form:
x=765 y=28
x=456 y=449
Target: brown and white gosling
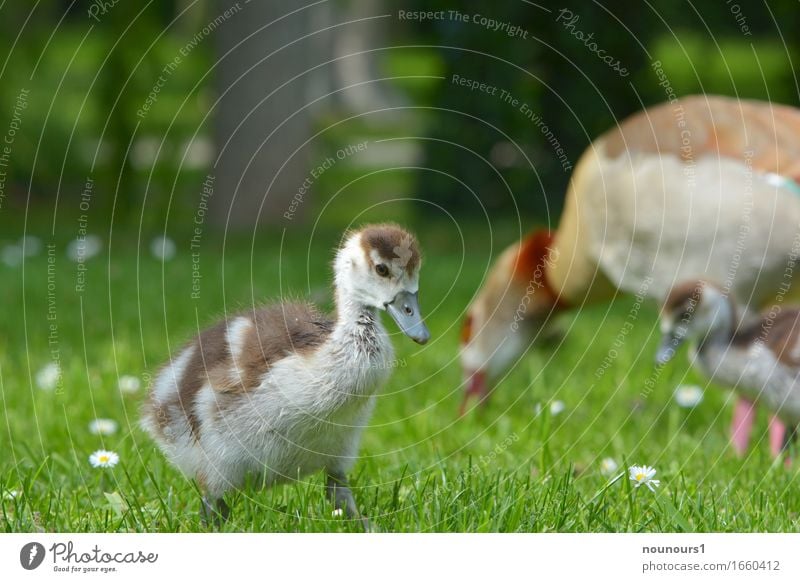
x=282 y=392
x=759 y=360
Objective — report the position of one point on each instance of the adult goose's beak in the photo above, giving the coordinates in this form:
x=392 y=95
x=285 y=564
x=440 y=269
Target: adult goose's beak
x=404 y=309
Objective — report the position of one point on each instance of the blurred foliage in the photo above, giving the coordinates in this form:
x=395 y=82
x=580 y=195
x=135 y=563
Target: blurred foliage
x=88 y=79
x=703 y=48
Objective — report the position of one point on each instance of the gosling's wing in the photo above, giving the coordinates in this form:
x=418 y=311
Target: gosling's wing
x=778 y=332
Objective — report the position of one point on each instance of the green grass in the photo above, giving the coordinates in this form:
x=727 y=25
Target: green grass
x=423 y=469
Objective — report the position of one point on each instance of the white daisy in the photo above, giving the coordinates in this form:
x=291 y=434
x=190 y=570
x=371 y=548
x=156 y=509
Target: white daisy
x=83 y=249
x=557 y=407
x=608 y=467
x=104 y=459
x=12 y=494
x=337 y=512
x=163 y=248
x=643 y=475
x=30 y=245
x=48 y=377
x=688 y=396
x=199 y=153
x=129 y=384
x=145 y=152
x=11 y=255
x=103 y=426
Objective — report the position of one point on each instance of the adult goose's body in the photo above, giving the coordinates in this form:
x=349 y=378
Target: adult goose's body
x=282 y=392
x=759 y=359
x=706 y=188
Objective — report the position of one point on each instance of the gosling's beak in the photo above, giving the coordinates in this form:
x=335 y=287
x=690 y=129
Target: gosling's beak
x=404 y=309
x=666 y=351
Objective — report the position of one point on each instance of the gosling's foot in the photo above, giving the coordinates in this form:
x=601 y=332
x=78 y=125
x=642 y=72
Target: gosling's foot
x=343 y=501
x=214 y=513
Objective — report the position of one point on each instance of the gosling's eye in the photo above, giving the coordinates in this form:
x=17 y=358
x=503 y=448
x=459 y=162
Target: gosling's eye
x=382 y=270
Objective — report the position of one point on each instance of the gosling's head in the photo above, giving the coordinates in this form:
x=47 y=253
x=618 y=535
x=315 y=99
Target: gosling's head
x=378 y=266
x=692 y=311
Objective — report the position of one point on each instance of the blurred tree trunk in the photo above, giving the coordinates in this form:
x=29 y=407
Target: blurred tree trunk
x=249 y=157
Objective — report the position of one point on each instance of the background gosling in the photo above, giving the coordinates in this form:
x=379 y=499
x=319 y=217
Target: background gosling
x=759 y=360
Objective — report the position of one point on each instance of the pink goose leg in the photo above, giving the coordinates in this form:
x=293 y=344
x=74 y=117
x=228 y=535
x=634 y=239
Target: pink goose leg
x=742 y=425
x=777 y=436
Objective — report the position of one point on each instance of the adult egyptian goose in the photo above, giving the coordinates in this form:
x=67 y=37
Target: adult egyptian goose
x=760 y=360
x=283 y=391
x=703 y=187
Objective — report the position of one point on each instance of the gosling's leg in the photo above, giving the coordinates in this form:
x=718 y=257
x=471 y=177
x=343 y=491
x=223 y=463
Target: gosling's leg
x=214 y=512
x=742 y=425
x=339 y=493
x=791 y=437
x=777 y=436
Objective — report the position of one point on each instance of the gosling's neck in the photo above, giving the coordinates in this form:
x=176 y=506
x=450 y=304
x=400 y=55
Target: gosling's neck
x=355 y=320
x=719 y=334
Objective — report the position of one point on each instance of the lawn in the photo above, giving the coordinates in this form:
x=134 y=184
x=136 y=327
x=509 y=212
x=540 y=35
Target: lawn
x=514 y=466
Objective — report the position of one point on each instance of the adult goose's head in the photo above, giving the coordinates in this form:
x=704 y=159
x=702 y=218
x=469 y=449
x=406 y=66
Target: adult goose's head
x=508 y=312
x=378 y=266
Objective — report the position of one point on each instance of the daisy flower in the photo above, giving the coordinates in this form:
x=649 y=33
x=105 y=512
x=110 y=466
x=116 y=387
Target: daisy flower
x=104 y=459
x=129 y=384
x=30 y=245
x=11 y=255
x=643 y=475
x=83 y=249
x=556 y=407
x=163 y=248
x=103 y=426
x=688 y=396
x=48 y=377
x=608 y=467
x=12 y=494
